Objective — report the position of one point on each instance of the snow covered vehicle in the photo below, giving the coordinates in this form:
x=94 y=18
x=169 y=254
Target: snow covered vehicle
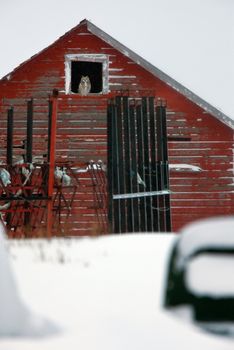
x=200 y=274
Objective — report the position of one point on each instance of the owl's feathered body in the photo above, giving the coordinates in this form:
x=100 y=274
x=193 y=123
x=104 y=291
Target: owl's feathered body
x=84 y=86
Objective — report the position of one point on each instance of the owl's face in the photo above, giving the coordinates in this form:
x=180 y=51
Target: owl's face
x=84 y=80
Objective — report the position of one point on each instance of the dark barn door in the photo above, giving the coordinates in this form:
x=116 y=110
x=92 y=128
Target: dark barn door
x=138 y=181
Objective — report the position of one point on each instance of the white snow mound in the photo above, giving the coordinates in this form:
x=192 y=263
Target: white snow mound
x=15 y=318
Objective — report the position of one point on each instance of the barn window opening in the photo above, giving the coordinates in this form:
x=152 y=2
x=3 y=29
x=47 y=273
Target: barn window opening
x=92 y=70
x=95 y=67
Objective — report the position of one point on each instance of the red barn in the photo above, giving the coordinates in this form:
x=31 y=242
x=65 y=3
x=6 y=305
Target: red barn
x=200 y=138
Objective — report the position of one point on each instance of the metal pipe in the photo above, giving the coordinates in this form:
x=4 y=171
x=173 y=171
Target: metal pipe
x=10 y=121
x=52 y=150
x=29 y=143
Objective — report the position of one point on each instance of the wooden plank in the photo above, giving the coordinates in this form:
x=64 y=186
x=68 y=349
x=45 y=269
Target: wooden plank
x=154 y=172
x=147 y=164
x=141 y=168
x=134 y=167
x=128 y=170
x=121 y=163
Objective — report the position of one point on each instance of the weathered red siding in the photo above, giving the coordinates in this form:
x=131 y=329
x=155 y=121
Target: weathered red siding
x=82 y=129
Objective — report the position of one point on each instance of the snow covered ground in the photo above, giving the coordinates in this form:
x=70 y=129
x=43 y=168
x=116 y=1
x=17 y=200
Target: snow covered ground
x=98 y=293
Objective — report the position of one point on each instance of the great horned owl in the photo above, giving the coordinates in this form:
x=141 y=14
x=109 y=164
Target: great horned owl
x=84 y=86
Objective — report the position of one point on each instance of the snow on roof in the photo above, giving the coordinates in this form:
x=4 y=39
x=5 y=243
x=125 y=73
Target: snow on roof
x=203 y=272
x=203 y=234
x=185 y=167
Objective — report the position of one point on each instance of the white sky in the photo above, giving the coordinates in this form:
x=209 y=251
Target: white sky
x=191 y=40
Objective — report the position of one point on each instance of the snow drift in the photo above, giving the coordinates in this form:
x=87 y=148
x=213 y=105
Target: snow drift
x=16 y=319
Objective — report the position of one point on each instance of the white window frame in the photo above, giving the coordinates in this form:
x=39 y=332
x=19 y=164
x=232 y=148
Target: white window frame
x=100 y=58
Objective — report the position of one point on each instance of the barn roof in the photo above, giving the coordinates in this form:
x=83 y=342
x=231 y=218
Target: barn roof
x=146 y=65
x=160 y=74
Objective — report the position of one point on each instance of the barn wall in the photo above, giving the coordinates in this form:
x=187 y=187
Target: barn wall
x=82 y=129
x=208 y=192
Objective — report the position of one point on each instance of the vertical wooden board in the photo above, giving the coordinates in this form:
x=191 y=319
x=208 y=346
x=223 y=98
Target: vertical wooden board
x=128 y=162
x=141 y=168
x=134 y=166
